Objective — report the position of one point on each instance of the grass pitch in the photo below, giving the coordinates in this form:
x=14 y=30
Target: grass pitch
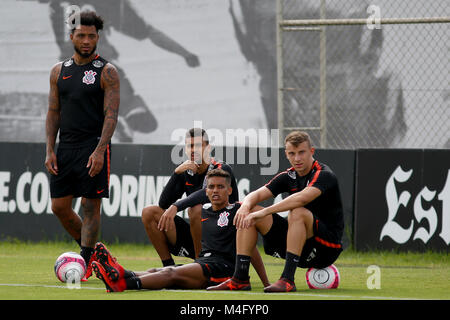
x=26 y=273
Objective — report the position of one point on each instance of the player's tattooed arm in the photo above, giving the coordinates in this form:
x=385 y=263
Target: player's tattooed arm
x=52 y=120
x=111 y=86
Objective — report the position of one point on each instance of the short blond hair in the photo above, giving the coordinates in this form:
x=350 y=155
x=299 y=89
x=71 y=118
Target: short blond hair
x=297 y=137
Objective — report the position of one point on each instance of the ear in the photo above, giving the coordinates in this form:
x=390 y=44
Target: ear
x=71 y=36
x=230 y=190
x=313 y=150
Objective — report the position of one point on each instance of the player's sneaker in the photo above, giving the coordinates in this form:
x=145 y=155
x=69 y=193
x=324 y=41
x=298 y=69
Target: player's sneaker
x=232 y=284
x=282 y=285
x=111 y=286
x=114 y=270
x=88 y=273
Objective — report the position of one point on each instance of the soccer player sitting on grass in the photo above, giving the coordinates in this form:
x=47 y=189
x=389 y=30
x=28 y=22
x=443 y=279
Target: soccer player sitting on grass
x=215 y=263
x=310 y=237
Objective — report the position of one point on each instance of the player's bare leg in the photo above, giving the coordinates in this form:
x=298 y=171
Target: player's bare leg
x=91 y=221
x=70 y=220
x=195 y=223
x=150 y=218
x=300 y=228
x=188 y=276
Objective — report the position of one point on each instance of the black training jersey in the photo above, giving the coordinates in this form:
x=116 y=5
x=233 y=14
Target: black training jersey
x=218 y=231
x=194 y=185
x=328 y=206
x=81 y=101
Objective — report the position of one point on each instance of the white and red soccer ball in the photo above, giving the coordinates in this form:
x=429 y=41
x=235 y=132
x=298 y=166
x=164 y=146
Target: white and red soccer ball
x=326 y=278
x=70 y=267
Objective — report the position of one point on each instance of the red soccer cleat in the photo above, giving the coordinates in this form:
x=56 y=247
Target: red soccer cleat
x=232 y=284
x=88 y=273
x=282 y=285
x=111 y=286
x=113 y=270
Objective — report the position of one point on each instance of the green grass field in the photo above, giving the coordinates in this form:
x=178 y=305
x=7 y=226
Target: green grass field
x=26 y=273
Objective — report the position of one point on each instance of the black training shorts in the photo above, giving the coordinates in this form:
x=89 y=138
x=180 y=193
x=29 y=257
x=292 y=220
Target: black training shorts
x=216 y=268
x=73 y=178
x=319 y=251
x=184 y=245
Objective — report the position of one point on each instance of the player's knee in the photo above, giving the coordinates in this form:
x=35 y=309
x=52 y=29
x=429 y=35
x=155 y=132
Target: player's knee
x=59 y=209
x=149 y=214
x=195 y=213
x=299 y=215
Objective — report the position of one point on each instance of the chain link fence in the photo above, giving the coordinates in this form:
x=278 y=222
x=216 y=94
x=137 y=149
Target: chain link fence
x=370 y=84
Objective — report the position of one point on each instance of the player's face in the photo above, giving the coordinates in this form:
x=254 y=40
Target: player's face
x=85 y=40
x=218 y=191
x=196 y=149
x=300 y=157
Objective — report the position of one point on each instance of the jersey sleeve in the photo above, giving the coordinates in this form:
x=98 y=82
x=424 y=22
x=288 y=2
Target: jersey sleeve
x=197 y=197
x=173 y=191
x=323 y=180
x=278 y=184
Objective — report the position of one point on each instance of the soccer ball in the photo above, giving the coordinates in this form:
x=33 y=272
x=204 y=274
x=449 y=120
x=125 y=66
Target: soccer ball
x=326 y=278
x=70 y=267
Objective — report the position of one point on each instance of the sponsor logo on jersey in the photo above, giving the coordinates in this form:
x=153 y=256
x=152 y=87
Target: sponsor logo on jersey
x=207 y=205
x=89 y=77
x=230 y=206
x=68 y=63
x=223 y=219
x=97 y=63
x=291 y=174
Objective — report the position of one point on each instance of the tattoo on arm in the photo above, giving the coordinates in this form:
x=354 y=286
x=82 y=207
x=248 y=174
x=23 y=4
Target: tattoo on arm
x=53 y=113
x=111 y=85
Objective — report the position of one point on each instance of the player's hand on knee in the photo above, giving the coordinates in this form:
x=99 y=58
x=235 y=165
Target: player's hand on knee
x=240 y=216
x=167 y=219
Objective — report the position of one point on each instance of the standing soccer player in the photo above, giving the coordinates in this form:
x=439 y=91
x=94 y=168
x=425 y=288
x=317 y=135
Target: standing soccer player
x=83 y=107
x=310 y=237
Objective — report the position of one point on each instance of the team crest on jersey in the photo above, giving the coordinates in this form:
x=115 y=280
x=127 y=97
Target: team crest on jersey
x=68 y=63
x=223 y=219
x=89 y=77
x=97 y=63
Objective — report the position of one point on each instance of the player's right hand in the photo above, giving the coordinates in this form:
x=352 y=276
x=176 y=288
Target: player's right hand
x=167 y=222
x=50 y=163
x=187 y=165
x=238 y=220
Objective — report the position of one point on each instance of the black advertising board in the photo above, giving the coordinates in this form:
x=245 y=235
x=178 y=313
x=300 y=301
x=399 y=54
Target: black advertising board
x=138 y=175
x=402 y=200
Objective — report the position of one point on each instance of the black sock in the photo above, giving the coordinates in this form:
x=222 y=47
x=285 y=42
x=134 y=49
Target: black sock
x=86 y=253
x=242 y=267
x=290 y=266
x=78 y=241
x=133 y=283
x=168 y=262
x=129 y=274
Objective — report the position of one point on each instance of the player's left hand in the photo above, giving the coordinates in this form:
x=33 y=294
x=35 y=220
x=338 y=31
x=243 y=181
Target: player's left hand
x=249 y=220
x=95 y=163
x=167 y=222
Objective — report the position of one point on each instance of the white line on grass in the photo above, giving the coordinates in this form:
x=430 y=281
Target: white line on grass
x=223 y=292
